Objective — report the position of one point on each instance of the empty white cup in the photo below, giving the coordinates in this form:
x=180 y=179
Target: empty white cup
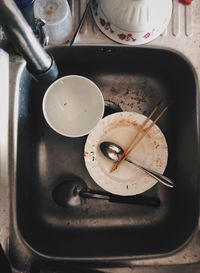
x=73 y=106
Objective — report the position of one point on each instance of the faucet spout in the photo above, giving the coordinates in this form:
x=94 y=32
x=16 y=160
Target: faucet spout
x=39 y=63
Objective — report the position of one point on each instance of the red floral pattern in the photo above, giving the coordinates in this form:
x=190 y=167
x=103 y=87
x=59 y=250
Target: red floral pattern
x=127 y=37
x=106 y=25
x=147 y=35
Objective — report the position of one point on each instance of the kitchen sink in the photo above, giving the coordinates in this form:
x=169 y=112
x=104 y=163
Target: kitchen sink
x=134 y=79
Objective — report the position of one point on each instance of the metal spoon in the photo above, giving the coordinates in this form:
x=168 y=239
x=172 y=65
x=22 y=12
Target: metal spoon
x=71 y=192
x=114 y=152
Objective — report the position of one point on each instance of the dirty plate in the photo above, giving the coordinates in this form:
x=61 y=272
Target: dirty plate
x=151 y=152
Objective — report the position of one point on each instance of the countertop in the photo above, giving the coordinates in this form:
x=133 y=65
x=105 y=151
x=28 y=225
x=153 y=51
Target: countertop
x=182 y=35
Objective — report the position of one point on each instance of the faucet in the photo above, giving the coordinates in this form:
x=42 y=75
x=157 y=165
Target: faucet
x=39 y=63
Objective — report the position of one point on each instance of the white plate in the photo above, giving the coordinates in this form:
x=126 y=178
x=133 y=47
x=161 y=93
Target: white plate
x=151 y=152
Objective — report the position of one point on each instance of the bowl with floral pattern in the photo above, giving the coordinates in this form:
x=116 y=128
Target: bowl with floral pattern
x=132 y=22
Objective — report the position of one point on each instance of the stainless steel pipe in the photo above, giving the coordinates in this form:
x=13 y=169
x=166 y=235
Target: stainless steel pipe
x=39 y=62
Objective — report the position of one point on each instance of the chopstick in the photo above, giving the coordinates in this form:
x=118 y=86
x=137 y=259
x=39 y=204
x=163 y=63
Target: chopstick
x=136 y=136
x=139 y=136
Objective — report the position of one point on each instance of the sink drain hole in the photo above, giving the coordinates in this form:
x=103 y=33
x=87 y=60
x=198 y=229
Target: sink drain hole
x=111 y=108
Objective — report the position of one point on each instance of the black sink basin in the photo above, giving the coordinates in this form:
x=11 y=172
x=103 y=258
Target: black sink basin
x=135 y=79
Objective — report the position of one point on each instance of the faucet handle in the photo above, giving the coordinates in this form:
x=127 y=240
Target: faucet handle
x=40 y=32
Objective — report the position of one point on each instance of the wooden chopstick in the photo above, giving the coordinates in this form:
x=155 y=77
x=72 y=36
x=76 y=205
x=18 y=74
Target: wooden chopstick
x=115 y=165
x=137 y=139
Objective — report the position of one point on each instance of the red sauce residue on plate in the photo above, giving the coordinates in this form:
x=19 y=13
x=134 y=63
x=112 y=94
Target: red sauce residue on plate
x=121 y=122
x=159 y=161
x=86 y=153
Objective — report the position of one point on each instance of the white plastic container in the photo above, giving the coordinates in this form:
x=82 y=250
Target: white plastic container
x=57 y=17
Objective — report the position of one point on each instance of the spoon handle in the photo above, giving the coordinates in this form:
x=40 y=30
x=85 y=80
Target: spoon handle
x=159 y=177
x=135 y=200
